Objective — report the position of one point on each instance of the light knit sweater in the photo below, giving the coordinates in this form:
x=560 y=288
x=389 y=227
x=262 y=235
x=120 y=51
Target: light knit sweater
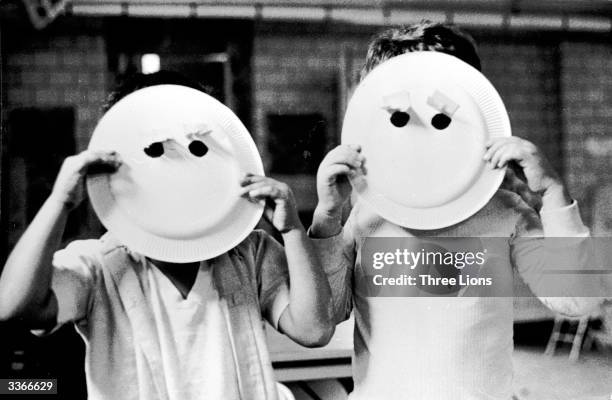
x=441 y=347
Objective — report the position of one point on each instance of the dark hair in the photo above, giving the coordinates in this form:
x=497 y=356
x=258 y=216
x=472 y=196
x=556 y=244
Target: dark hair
x=135 y=81
x=424 y=36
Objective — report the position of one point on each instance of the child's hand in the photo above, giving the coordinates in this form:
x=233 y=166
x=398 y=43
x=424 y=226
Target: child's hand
x=538 y=172
x=333 y=187
x=68 y=187
x=515 y=184
x=280 y=210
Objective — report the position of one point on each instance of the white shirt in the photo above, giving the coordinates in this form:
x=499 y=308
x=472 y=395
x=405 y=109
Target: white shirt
x=194 y=339
x=192 y=333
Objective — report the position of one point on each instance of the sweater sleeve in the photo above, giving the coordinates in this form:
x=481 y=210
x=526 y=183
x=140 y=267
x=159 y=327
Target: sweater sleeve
x=550 y=251
x=337 y=255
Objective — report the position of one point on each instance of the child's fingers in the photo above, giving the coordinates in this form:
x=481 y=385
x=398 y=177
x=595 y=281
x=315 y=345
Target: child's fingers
x=252 y=186
x=345 y=155
x=254 y=181
x=97 y=162
x=336 y=170
x=265 y=188
x=89 y=156
x=349 y=161
x=502 y=155
x=516 y=185
x=499 y=140
x=251 y=178
x=495 y=157
x=504 y=159
x=493 y=146
x=351 y=168
x=265 y=192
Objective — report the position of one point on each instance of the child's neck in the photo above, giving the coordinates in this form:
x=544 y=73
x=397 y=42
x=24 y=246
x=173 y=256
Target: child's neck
x=182 y=276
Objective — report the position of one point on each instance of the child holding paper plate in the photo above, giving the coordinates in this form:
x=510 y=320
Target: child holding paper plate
x=171 y=301
x=425 y=143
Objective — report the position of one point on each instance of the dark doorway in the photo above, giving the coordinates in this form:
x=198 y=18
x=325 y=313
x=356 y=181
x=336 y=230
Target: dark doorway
x=37 y=142
x=296 y=143
x=217 y=54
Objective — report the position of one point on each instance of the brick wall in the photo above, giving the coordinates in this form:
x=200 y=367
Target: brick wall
x=586 y=89
x=525 y=75
x=62 y=66
x=58 y=70
x=296 y=71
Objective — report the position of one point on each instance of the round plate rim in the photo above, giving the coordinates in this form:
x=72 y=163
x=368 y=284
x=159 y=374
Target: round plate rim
x=180 y=250
x=445 y=215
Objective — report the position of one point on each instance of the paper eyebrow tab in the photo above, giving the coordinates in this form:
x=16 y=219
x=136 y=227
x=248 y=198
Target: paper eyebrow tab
x=442 y=103
x=199 y=133
x=196 y=133
x=399 y=101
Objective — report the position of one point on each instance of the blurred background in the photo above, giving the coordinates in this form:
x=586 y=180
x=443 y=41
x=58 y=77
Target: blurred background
x=287 y=68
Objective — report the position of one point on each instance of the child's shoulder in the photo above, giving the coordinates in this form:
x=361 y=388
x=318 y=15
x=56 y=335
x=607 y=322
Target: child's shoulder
x=84 y=248
x=104 y=243
x=90 y=251
x=80 y=255
x=259 y=253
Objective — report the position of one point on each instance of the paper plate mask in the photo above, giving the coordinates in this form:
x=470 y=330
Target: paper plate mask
x=422 y=120
x=176 y=197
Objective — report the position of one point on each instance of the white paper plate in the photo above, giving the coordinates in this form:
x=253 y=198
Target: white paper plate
x=418 y=176
x=177 y=207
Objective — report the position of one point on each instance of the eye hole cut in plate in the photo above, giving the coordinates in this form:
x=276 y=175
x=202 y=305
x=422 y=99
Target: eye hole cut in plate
x=198 y=148
x=440 y=121
x=400 y=119
x=155 y=150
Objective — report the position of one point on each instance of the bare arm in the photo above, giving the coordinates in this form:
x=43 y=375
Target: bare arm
x=25 y=283
x=26 y=278
x=306 y=321
x=307 y=318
